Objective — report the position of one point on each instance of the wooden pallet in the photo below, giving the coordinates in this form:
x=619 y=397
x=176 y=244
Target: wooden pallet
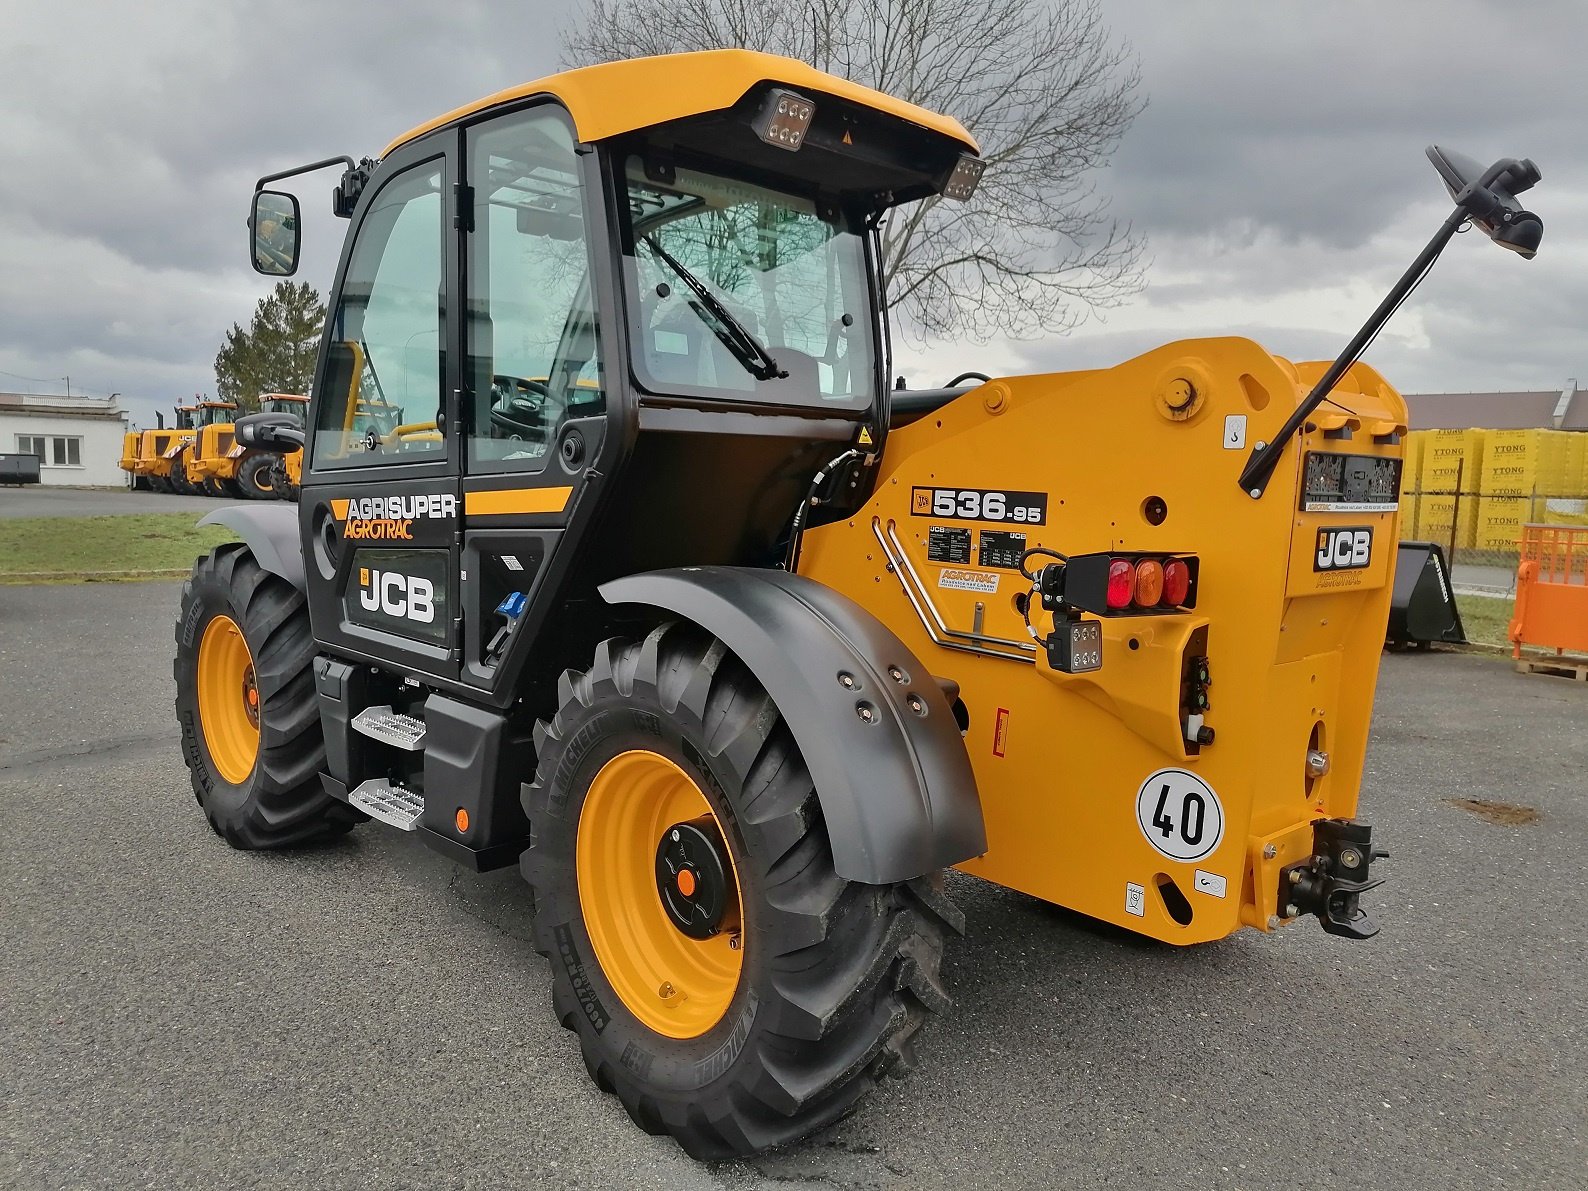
x=1562 y=667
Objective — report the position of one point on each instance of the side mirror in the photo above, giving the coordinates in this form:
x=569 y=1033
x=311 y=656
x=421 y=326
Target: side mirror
x=274 y=224
x=1489 y=197
x=279 y=433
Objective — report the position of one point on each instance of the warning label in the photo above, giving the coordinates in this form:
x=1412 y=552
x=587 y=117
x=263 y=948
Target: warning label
x=958 y=580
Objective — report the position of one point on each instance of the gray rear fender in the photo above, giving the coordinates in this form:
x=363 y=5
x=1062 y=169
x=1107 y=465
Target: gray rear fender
x=895 y=785
x=271 y=532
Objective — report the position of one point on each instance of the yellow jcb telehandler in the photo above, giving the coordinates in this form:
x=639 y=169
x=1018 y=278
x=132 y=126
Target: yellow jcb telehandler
x=617 y=559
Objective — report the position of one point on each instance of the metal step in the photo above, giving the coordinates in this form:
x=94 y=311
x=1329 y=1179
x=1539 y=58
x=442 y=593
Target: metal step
x=397 y=806
x=391 y=727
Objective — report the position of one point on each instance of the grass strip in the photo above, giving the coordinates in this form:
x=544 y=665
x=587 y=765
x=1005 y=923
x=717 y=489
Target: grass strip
x=129 y=546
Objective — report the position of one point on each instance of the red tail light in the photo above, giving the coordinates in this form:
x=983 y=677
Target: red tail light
x=1149 y=582
x=1176 y=582
x=1121 y=583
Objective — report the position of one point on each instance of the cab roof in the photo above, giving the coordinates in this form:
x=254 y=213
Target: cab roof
x=619 y=97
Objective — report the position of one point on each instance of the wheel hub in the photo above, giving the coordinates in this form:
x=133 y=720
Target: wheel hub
x=693 y=877
x=251 y=696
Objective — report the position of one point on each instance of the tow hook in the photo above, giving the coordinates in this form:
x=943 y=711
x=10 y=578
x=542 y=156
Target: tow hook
x=1331 y=883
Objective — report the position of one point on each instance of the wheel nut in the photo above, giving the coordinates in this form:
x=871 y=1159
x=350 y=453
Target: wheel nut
x=1291 y=911
x=846 y=680
x=667 y=990
x=896 y=674
x=866 y=712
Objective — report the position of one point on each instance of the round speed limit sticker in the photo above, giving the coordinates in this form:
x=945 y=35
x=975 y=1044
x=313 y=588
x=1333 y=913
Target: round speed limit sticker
x=1180 y=815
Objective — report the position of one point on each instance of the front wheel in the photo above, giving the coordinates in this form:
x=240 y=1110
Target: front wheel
x=724 y=981
x=256 y=478
x=247 y=708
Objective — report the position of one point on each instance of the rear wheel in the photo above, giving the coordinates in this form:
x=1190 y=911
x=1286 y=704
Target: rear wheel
x=724 y=981
x=256 y=479
x=213 y=486
x=247 y=708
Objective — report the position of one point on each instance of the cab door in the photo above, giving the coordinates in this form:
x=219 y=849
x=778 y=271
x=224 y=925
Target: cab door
x=380 y=503
x=535 y=402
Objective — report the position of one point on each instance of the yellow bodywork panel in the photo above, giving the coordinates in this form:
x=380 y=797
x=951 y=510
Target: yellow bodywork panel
x=617 y=97
x=1074 y=770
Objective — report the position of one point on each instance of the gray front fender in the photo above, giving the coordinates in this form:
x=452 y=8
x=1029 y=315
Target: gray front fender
x=271 y=532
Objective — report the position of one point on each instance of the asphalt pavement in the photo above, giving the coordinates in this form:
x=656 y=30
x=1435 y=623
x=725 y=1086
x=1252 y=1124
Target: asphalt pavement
x=174 y=1013
x=40 y=501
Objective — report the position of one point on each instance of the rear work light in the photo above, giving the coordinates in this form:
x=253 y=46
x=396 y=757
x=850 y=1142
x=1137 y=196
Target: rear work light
x=1117 y=584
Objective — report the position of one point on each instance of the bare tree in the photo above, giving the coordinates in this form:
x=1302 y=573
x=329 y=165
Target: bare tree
x=1039 y=83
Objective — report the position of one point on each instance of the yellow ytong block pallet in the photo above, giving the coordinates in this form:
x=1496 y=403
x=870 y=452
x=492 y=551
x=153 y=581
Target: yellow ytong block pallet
x=1577 y=464
x=1411 y=461
x=1438 y=515
x=1448 y=457
x=1500 y=520
x=1524 y=462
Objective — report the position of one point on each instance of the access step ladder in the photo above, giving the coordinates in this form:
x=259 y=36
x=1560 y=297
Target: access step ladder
x=401 y=731
x=393 y=804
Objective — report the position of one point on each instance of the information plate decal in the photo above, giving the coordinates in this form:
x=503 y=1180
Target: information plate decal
x=1334 y=483
x=1001 y=548
x=944 y=543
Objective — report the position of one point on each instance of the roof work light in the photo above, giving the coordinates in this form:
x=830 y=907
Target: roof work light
x=784 y=119
x=961 y=183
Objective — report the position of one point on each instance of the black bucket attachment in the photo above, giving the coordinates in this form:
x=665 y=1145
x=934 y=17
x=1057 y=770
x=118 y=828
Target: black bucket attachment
x=1423 y=607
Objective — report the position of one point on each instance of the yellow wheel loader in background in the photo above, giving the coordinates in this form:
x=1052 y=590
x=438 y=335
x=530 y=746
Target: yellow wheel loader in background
x=616 y=559
x=225 y=467
x=156 y=456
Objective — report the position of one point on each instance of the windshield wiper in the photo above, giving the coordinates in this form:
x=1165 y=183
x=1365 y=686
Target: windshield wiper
x=733 y=334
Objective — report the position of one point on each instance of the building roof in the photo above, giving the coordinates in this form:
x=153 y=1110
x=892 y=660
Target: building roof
x=1565 y=408
x=617 y=97
x=52 y=405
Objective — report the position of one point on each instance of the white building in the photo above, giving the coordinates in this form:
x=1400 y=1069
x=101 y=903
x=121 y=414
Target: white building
x=77 y=439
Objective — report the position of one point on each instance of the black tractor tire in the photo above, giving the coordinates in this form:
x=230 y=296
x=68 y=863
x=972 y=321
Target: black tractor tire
x=281 y=802
x=837 y=976
x=255 y=477
x=214 y=486
x=159 y=484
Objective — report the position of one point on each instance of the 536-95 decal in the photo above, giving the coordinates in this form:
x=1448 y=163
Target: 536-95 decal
x=980 y=504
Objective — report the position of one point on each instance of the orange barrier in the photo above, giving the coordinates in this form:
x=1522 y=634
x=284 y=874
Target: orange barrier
x=1552 y=589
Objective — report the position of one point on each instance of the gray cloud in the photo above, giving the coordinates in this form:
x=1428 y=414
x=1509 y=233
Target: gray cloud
x=1277 y=173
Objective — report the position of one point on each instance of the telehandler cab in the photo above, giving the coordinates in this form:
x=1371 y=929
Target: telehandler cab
x=617 y=559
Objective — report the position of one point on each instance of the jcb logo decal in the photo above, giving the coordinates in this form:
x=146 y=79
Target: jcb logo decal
x=408 y=596
x=1343 y=549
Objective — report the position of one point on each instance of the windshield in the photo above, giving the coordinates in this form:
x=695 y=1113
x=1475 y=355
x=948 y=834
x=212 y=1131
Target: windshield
x=779 y=282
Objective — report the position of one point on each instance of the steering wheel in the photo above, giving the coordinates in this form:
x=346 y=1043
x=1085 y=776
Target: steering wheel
x=520 y=413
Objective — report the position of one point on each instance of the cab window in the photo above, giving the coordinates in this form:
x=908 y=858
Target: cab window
x=382 y=390
x=533 y=348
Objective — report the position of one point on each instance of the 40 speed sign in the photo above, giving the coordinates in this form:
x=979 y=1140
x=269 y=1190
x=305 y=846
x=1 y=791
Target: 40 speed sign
x=1180 y=815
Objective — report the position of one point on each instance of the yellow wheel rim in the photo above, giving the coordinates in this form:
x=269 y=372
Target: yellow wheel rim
x=228 y=699
x=677 y=985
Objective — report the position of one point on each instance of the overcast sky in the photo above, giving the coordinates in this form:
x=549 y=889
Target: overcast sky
x=1277 y=175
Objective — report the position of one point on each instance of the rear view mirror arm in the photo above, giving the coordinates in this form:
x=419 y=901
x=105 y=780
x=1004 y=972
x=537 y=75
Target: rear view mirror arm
x=1260 y=464
x=1474 y=201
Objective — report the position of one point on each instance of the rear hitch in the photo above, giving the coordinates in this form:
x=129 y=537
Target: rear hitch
x=1330 y=884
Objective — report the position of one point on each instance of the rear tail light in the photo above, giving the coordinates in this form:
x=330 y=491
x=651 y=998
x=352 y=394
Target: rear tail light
x=1149 y=582
x=1121 y=584
x=1176 y=582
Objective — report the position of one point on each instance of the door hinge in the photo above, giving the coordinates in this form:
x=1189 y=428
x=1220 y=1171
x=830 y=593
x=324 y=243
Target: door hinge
x=463 y=206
